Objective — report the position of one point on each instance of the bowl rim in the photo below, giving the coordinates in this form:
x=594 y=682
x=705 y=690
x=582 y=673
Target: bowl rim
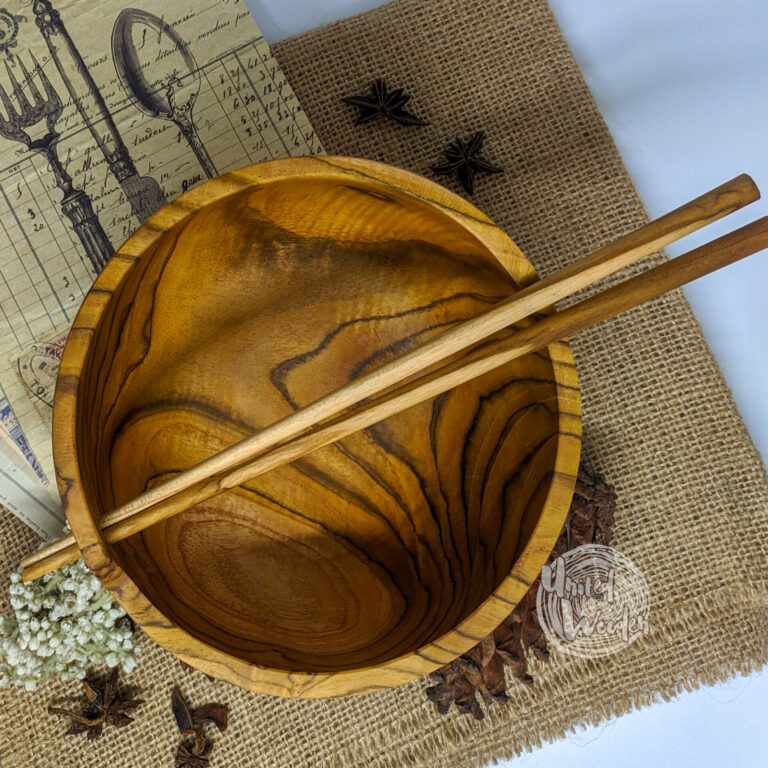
x=220 y=664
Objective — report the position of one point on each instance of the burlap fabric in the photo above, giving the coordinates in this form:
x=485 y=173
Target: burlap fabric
x=659 y=420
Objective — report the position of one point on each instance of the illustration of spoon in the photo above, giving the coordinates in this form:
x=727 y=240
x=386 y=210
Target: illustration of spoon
x=171 y=97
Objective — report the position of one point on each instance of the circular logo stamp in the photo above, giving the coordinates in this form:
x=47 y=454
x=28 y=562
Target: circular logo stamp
x=38 y=367
x=592 y=601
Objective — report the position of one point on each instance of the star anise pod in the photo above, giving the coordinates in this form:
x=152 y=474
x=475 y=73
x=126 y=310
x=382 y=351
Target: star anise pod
x=385 y=103
x=480 y=673
x=192 y=720
x=463 y=159
x=106 y=706
x=194 y=754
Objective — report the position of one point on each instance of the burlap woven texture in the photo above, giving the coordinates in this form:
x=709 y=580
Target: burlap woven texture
x=659 y=420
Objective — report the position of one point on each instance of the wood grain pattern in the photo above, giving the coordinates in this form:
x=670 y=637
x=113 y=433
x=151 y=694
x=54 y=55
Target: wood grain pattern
x=245 y=460
x=371 y=561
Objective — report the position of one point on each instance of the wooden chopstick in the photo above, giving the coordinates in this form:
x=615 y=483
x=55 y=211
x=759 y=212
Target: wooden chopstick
x=635 y=291
x=246 y=459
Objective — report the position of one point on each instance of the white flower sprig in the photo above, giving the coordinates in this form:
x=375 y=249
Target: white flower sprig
x=63 y=622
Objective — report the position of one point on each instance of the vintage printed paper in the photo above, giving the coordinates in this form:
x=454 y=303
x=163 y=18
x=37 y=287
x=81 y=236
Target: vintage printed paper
x=107 y=111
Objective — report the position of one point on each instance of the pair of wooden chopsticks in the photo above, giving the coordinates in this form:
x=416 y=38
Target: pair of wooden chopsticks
x=422 y=373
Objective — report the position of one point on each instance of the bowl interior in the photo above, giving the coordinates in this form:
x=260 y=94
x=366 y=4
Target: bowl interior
x=253 y=306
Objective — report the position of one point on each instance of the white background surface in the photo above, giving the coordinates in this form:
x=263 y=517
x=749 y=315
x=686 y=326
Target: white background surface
x=683 y=87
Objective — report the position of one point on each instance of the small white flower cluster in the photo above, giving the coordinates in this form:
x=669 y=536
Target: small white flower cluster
x=62 y=623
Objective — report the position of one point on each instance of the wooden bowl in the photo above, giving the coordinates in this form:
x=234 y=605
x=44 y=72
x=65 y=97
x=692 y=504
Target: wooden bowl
x=365 y=564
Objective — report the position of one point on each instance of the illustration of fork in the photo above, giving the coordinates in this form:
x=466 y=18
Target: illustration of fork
x=75 y=205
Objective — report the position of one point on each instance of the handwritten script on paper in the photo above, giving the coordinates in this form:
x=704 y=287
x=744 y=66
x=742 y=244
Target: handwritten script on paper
x=109 y=110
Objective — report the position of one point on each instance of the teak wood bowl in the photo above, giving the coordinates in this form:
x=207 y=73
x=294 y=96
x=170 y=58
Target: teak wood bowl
x=370 y=562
